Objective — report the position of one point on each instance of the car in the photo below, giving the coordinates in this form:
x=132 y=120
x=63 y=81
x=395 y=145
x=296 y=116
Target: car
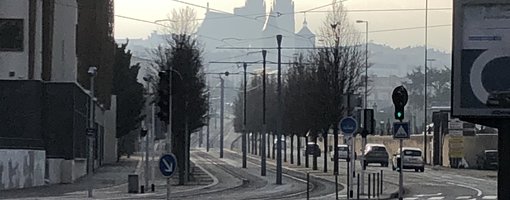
x=488 y=160
x=376 y=153
x=412 y=159
x=343 y=150
x=312 y=149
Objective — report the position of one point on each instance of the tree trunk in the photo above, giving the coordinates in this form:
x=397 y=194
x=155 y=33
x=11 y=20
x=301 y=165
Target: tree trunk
x=284 y=148
x=307 y=161
x=291 y=149
x=268 y=144
x=298 y=151
x=325 y=139
x=273 y=147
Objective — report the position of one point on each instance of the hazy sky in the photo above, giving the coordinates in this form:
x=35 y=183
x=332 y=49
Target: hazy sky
x=439 y=36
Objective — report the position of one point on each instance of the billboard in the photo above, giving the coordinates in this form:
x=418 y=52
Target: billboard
x=481 y=58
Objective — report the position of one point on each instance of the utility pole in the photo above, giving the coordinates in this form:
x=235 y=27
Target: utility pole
x=244 y=118
x=168 y=146
x=279 y=115
x=425 y=88
x=91 y=130
x=222 y=81
x=264 y=127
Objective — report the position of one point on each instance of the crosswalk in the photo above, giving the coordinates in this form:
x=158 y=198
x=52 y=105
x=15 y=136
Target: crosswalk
x=441 y=197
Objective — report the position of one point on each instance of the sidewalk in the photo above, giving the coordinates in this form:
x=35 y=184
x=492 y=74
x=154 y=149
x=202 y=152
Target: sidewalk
x=110 y=182
x=390 y=190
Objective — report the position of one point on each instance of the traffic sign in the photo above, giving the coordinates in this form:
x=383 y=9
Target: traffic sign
x=167 y=164
x=401 y=130
x=480 y=59
x=348 y=126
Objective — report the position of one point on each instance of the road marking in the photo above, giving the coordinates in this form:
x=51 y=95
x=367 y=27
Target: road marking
x=411 y=198
x=435 y=198
x=464 y=197
x=478 y=191
x=490 y=197
x=428 y=195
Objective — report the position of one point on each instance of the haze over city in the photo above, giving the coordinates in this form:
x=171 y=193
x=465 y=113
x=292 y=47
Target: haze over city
x=384 y=17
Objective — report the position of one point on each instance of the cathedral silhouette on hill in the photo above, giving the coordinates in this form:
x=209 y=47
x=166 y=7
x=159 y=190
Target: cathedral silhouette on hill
x=252 y=26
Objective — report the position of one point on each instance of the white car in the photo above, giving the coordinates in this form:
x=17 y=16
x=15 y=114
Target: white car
x=412 y=159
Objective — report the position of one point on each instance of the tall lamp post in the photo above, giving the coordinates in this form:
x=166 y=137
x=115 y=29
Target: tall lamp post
x=364 y=139
x=91 y=129
x=264 y=127
x=425 y=88
x=279 y=119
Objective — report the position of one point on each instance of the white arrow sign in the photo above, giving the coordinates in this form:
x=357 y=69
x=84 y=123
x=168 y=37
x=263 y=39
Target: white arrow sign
x=169 y=166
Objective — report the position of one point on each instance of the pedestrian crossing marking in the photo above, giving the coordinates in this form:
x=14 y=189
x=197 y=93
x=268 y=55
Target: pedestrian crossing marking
x=435 y=198
x=464 y=197
x=490 y=197
x=411 y=198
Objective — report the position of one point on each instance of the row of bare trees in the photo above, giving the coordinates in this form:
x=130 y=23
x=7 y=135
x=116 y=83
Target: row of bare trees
x=315 y=88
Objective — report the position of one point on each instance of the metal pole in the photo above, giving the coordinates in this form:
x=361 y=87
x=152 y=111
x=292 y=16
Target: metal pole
x=348 y=175
x=264 y=127
x=244 y=118
x=357 y=195
x=368 y=192
x=307 y=185
x=378 y=185
x=336 y=186
x=90 y=136
x=208 y=121
x=364 y=139
x=147 y=160
x=366 y=64
x=425 y=88
x=222 y=101
x=382 y=178
x=279 y=119
x=153 y=128
x=373 y=185
x=401 y=174
x=169 y=127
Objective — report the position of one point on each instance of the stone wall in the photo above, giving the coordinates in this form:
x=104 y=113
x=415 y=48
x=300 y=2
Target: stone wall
x=21 y=168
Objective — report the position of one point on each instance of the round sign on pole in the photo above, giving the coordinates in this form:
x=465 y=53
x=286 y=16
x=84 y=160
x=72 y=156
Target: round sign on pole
x=348 y=126
x=167 y=164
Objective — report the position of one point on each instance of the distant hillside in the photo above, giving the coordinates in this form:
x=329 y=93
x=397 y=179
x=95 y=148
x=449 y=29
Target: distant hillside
x=390 y=61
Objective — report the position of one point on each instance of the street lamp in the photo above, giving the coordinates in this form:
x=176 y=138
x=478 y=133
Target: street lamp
x=151 y=134
x=425 y=88
x=92 y=72
x=366 y=59
x=364 y=139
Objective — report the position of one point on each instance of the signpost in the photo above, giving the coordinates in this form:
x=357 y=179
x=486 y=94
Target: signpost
x=349 y=126
x=400 y=129
x=480 y=92
x=167 y=166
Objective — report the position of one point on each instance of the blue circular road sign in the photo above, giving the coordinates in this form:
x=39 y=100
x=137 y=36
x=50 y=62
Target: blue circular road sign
x=348 y=126
x=167 y=164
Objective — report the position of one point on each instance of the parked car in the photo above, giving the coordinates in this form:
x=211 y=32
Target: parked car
x=376 y=153
x=412 y=159
x=488 y=160
x=343 y=150
x=312 y=149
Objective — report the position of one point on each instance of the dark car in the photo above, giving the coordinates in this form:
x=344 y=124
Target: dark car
x=376 y=153
x=488 y=160
x=312 y=149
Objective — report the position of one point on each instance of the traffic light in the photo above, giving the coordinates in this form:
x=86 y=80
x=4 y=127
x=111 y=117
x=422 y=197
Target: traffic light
x=399 y=98
x=163 y=95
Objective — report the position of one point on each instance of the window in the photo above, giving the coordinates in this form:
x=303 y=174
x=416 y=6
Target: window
x=412 y=153
x=11 y=34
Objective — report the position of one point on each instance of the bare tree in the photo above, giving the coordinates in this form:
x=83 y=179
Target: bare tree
x=182 y=21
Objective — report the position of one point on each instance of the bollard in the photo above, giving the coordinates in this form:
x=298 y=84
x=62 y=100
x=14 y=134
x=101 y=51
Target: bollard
x=373 y=185
x=307 y=185
x=357 y=195
x=369 y=185
x=153 y=187
x=378 y=188
x=382 y=185
x=142 y=189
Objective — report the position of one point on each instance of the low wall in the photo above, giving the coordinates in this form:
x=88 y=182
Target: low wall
x=21 y=168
